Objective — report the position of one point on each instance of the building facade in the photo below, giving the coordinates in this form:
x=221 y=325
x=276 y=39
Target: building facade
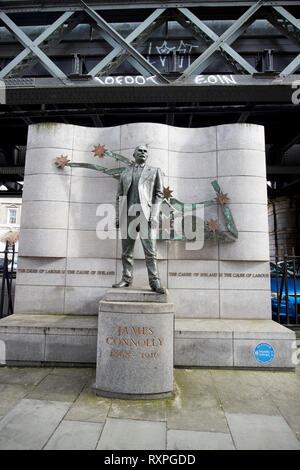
x=10 y=215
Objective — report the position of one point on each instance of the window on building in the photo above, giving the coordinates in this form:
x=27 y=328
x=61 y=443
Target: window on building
x=12 y=216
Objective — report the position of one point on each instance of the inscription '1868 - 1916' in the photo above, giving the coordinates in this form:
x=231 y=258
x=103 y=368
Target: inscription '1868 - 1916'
x=139 y=342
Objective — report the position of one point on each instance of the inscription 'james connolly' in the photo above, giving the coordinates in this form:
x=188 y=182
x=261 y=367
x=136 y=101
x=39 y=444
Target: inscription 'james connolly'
x=134 y=337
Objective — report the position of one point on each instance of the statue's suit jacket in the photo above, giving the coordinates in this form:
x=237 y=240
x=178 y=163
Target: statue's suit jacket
x=150 y=188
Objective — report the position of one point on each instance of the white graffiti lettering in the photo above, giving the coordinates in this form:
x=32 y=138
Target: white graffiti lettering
x=215 y=79
x=126 y=80
x=140 y=80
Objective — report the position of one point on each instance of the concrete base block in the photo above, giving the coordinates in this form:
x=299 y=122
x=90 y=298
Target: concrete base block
x=204 y=352
x=68 y=340
x=234 y=344
x=27 y=340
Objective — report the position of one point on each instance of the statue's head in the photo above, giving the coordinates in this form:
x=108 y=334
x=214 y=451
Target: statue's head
x=140 y=154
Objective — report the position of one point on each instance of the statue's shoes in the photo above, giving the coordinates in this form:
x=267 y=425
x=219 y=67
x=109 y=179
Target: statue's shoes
x=122 y=283
x=156 y=287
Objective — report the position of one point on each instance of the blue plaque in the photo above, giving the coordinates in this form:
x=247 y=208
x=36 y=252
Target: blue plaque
x=264 y=353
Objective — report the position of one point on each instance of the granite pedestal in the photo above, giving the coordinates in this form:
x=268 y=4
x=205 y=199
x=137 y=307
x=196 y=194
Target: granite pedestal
x=135 y=345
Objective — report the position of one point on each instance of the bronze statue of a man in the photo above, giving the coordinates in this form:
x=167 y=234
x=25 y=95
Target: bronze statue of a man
x=139 y=197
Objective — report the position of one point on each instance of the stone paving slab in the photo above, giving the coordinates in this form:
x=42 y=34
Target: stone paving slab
x=152 y=410
x=11 y=394
x=89 y=407
x=30 y=424
x=195 y=440
x=23 y=376
x=242 y=391
x=291 y=414
x=196 y=413
x=74 y=371
x=59 y=388
x=188 y=382
x=284 y=388
x=124 y=434
x=281 y=385
x=196 y=406
x=261 y=432
x=75 y=435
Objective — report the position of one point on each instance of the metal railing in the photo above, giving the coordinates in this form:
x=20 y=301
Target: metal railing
x=285 y=290
x=8 y=273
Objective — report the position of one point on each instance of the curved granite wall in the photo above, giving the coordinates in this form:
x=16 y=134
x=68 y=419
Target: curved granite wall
x=64 y=268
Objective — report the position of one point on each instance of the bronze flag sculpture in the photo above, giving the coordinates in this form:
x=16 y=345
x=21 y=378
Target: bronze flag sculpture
x=141 y=199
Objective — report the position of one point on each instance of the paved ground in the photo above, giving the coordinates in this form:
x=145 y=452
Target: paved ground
x=55 y=408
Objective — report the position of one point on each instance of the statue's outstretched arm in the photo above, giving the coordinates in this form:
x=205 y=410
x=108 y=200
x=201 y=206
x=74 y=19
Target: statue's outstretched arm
x=99 y=151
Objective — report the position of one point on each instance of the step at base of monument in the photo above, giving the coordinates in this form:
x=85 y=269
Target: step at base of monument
x=45 y=340
x=71 y=340
x=232 y=343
